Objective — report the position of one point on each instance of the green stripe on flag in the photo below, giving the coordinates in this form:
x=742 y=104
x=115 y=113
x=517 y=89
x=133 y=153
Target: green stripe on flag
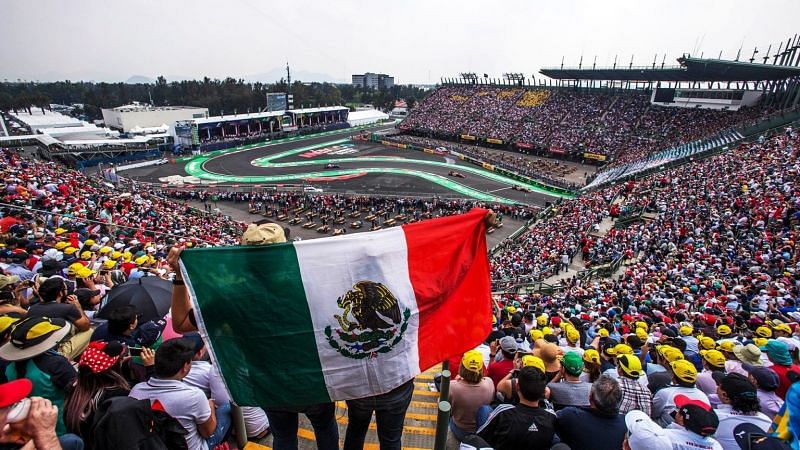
x=256 y=316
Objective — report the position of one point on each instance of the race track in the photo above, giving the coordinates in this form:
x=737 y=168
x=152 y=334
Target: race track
x=362 y=168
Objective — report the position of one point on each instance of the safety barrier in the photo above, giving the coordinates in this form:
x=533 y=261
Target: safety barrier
x=493 y=168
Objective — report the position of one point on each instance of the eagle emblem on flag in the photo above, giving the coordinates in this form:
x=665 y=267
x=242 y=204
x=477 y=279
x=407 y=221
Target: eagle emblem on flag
x=371 y=321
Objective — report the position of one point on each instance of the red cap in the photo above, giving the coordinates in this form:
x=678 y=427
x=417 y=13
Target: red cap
x=14 y=391
x=682 y=400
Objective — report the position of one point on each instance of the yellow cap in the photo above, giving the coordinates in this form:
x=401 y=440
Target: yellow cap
x=536 y=334
x=631 y=365
x=760 y=342
x=713 y=357
x=684 y=370
x=60 y=231
x=86 y=255
x=89 y=242
x=541 y=320
x=642 y=325
x=669 y=353
x=641 y=333
x=473 y=361
x=127 y=256
x=116 y=255
x=763 y=332
x=724 y=330
x=603 y=332
x=564 y=325
x=140 y=260
x=546 y=331
x=61 y=245
x=685 y=330
x=706 y=343
x=591 y=356
x=511 y=309
x=727 y=346
x=70 y=250
x=109 y=264
x=6 y=322
x=104 y=250
x=74 y=268
x=782 y=327
x=85 y=273
x=533 y=361
x=622 y=349
x=573 y=335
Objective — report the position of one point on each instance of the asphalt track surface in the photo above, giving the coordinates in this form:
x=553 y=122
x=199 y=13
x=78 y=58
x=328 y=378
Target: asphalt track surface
x=375 y=169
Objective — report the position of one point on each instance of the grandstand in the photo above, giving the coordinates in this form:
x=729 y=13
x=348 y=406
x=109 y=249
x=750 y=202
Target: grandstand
x=682 y=240
x=612 y=116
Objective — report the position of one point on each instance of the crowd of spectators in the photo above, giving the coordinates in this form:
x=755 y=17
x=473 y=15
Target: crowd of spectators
x=696 y=337
x=622 y=127
x=286 y=202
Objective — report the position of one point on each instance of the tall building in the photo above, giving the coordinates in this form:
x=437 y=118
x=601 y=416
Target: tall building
x=373 y=81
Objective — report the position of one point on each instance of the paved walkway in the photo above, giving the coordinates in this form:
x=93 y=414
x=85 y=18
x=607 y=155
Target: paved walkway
x=577 y=263
x=418 y=433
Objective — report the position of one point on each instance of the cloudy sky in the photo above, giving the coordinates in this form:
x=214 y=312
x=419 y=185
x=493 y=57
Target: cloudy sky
x=417 y=41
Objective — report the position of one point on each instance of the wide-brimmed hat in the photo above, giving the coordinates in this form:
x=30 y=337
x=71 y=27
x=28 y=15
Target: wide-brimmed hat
x=749 y=354
x=549 y=354
x=8 y=280
x=34 y=336
x=261 y=234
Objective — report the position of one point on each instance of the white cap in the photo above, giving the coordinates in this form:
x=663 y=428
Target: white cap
x=52 y=255
x=644 y=434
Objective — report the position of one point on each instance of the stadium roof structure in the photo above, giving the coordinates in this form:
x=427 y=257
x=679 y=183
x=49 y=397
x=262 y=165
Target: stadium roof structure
x=237 y=117
x=318 y=110
x=690 y=69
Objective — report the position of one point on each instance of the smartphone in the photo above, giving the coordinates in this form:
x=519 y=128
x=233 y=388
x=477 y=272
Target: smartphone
x=135 y=351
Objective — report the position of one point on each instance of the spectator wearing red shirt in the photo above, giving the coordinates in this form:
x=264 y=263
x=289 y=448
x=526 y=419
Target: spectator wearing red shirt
x=7 y=222
x=782 y=364
x=499 y=369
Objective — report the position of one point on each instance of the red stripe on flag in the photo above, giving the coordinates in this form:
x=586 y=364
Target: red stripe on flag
x=449 y=270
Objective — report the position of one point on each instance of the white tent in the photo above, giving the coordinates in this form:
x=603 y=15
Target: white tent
x=357 y=118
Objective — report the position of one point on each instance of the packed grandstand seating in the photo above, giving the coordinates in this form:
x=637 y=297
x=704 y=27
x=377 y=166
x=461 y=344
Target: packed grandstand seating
x=712 y=264
x=724 y=215
x=712 y=246
x=621 y=126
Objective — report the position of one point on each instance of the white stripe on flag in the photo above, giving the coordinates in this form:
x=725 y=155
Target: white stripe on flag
x=329 y=268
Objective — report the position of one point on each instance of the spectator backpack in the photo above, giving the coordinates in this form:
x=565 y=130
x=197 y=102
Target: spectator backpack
x=124 y=423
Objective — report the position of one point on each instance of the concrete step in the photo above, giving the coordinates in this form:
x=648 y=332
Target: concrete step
x=419 y=428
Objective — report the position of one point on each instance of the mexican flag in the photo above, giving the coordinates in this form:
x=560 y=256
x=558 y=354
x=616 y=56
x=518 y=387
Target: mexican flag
x=341 y=317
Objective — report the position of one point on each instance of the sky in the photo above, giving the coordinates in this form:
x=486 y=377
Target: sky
x=416 y=41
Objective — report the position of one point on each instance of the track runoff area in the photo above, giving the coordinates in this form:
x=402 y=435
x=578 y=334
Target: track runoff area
x=341 y=165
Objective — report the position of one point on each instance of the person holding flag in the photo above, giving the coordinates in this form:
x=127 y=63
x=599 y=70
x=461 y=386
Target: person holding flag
x=396 y=288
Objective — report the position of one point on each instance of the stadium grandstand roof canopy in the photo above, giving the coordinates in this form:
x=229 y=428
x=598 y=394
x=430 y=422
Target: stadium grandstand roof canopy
x=690 y=69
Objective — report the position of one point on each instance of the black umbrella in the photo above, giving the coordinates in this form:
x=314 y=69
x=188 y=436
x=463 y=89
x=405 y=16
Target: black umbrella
x=152 y=297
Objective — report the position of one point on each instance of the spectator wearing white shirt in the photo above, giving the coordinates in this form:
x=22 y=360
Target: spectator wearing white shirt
x=695 y=424
x=739 y=405
x=684 y=376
